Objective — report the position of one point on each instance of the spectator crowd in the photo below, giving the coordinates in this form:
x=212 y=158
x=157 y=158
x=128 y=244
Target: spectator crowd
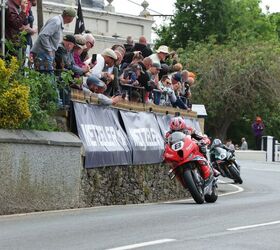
x=130 y=71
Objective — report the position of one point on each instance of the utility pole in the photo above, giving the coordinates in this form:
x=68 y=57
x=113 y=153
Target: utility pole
x=40 y=19
x=3 y=10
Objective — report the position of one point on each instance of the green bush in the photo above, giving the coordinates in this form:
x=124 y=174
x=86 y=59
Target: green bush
x=28 y=99
x=14 y=105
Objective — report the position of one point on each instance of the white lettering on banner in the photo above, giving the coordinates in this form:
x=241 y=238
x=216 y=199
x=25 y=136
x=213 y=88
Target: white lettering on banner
x=146 y=137
x=105 y=136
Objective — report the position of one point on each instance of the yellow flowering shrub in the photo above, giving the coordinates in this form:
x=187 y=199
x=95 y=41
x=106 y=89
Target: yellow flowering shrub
x=14 y=97
x=7 y=72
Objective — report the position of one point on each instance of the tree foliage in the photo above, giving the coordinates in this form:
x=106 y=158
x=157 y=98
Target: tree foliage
x=236 y=81
x=225 y=20
x=234 y=49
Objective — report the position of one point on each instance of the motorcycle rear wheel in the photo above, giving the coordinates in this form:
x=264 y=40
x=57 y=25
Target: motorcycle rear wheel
x=235 y=174
x=195 y=189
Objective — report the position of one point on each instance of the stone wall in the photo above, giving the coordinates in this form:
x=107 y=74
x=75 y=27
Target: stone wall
x=43 y=171
x=38 y=171
x=129 y=185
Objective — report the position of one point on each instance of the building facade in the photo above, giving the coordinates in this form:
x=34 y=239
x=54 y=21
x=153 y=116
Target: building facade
x=107 y=26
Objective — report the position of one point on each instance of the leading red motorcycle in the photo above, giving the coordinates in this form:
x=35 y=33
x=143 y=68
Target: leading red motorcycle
x=186 y=161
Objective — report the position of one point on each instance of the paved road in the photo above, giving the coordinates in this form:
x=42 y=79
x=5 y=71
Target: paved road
x=249 y=219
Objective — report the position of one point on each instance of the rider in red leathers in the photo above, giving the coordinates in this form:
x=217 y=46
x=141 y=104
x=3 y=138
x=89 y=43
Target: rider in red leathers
x=178 y=124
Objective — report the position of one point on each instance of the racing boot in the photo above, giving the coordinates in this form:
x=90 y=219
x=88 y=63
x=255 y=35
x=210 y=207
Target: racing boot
x=216 y=172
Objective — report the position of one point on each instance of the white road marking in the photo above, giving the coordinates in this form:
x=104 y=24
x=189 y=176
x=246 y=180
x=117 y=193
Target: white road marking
x=253 y=226
x=239 y=189
x=143 y=244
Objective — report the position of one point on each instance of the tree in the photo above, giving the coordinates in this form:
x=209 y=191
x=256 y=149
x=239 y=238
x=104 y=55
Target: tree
x=224 y=20
x=235 y=81
x=275 y=19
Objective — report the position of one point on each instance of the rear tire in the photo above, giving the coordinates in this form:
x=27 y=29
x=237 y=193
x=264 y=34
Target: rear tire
x=195 y=189
x=235 y=174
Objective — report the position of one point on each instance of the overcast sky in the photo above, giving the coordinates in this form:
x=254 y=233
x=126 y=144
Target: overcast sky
x=166 y=6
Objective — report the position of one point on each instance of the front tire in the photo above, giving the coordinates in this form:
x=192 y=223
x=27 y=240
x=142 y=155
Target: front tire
x=193 y=186
x=211 y=198
x=235 y=174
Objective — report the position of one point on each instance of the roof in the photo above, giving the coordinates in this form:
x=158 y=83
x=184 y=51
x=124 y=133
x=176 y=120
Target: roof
x=200 y=110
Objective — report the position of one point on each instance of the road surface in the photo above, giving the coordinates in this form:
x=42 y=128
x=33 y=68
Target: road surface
x=245 y=216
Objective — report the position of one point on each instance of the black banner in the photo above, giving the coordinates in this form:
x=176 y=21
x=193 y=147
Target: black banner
x=144 y=135
x=112 y=137
x=163 y=122
x=105 y=142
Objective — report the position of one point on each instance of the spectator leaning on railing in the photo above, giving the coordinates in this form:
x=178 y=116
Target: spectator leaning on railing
x=107 y=60
x=96 y=87
x=160 y=55
x=90 y=42
x=78 y=49
x=64 y=56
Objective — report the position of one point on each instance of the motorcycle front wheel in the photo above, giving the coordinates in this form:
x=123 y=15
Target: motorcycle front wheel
x=235 y=174
x=193 y=185
x=211 y=198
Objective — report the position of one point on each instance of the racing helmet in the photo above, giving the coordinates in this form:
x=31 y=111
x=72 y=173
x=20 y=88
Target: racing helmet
x=177 y=124
x=217 y=143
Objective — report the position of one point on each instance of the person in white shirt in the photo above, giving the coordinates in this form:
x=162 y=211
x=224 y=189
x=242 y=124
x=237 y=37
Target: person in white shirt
x=103 y=67
x=160 y=55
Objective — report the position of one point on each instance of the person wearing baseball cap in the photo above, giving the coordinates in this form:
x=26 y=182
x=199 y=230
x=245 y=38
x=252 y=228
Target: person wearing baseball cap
x=49 y=37
x=63 y=55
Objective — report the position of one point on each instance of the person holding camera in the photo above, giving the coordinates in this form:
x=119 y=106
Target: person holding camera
x=103 y=66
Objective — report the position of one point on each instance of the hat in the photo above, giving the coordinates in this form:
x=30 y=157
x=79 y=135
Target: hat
x=177 y=77
x=80 y=41
x=162 y=49
x=69 y=12
x=156 y=65
x=110 y=53
x=70 y=38
x=93 y=80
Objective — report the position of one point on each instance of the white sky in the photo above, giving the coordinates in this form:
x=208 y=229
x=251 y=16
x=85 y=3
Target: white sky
x=167 y=7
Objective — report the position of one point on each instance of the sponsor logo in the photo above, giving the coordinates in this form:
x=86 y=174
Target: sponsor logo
x=146 y=137
x=107 y=136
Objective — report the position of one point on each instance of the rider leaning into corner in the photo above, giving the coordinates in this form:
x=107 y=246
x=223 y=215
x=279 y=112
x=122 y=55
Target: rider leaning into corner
x=178 y=124
x=218 y=143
